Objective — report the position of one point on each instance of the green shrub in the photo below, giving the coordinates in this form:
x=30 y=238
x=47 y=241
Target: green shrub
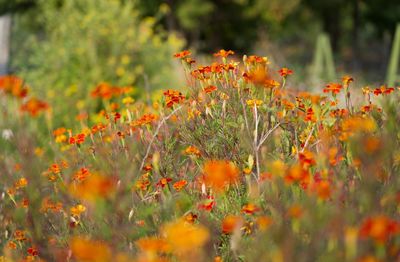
x=73 y=45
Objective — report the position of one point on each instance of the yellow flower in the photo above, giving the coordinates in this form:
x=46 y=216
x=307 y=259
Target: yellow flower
x=128 y=100
x=254 y=102
x=77 y=210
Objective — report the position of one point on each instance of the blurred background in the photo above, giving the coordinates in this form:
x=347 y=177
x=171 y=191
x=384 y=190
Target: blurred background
x=65 y=47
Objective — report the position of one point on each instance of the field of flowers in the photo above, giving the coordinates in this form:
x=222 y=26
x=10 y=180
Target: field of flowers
x=237 y=165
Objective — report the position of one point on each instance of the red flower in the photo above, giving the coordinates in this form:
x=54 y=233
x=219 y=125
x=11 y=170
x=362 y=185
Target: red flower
x=379 y=228
x=383 y=90
x=77 y=139
x=208 y=204
x=33 y=251
x=33 y=106
x=116 y=117
x=284 y=72
x=164 y=181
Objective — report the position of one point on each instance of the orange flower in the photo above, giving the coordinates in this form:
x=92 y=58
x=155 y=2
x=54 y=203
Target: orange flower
x=383 y=90
x=100 y=127
x=19 y=235
x=323 y=189
x=209 y=89
x=11 y=245
x=270 y=83
x=87 y=250
x=379 y=228
x=333 y=88
x=192 y=150
x=148 y=168
x=231 y=223
x=93 y=187
x=219 y=173
x=255 y=59
x=182 y=54
x=144 y=120
x=153 y=245
x=55 y=168
x=310 y=116
x=264 y=222
x=21 y=183
x=190 y=217
x=306 y=159
x=47 y=205
x=295 y=211
x=173 y=97
x=224 y=53
x=347 y=80
x=297 y=173
x=106 y=91
x=77 y=210
x=179 y=185
x=284 y=72
x=13 y=85
x=77 y=139
x=164 y=181
x=33 y=106
x=183 y=237
x=250 y=209
x=81 y=174
x=143 y=182
x=190 y=60
x=59 y=131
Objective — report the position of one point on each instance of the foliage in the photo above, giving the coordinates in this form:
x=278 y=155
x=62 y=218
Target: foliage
x=242 y=166
x=81 y=42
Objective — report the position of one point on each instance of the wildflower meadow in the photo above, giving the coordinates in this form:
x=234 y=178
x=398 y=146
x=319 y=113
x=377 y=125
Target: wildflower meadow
x=128 y=134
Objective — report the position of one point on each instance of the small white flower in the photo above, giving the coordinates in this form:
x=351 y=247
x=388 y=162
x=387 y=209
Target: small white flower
x=7 y=134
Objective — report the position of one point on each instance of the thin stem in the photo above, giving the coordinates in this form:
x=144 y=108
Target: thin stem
x=155 y=134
